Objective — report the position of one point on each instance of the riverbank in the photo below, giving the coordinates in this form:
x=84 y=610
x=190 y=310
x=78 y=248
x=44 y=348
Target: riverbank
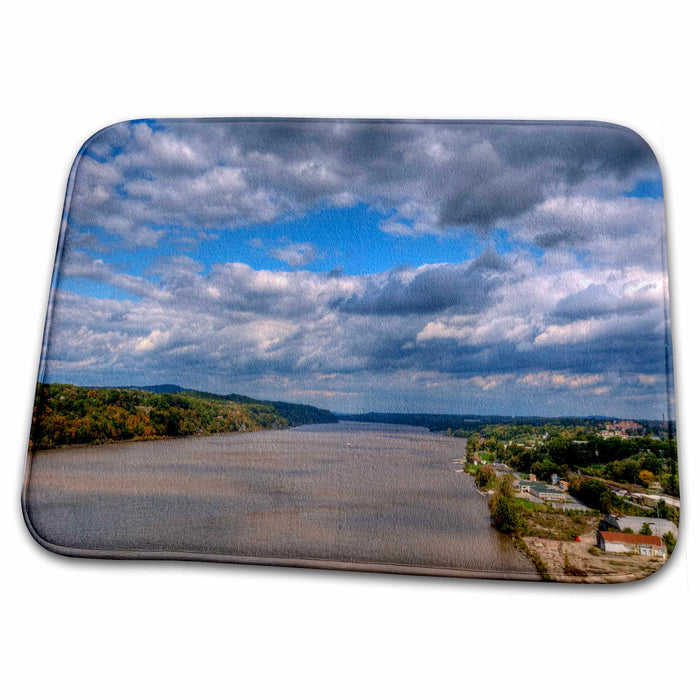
x=561 y=544
x=151 y=438
x=584 y=562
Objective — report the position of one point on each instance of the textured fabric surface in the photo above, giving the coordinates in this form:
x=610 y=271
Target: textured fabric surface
x=403 y=346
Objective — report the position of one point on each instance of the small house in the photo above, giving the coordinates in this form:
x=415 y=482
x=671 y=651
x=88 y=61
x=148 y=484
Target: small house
x=629 y=543
x=552 y=495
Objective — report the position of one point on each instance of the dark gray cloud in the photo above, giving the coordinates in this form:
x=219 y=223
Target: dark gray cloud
x=619 y=231
x=584 y=314
x=234 y=322
x=578 y=151
x=139 y=181
x=434 y=289
x=596 y=301
x=562 y=238
x=482 y=199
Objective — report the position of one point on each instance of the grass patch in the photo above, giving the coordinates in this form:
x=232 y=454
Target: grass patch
x=535 y=558
x=545 y=521
x=570 y=569
x=530 y=505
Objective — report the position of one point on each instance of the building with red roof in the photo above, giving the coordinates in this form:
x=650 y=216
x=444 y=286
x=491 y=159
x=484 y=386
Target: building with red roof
x=629 y=543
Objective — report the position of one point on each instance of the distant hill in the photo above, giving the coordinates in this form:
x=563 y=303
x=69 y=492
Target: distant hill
x=65 y=414
x=440 y=422
x=295 y=413
x=155 y=388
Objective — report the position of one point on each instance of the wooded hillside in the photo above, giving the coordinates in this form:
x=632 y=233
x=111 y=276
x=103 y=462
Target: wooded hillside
x=69 y=415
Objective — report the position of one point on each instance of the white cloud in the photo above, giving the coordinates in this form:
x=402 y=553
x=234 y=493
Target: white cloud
x=491 y=381
x=560 y=380
x=153 y=341
x=571 y=332
x=295 y=254
x=423 y=178
x=587 y=315
x=621 y=230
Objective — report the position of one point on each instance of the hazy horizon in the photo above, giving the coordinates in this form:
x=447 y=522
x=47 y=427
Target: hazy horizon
x=342 y=412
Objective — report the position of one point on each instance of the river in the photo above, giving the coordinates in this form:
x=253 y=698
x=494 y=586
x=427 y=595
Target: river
x=351 y=495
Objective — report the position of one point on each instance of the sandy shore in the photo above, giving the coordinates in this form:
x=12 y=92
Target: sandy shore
x=600 y=567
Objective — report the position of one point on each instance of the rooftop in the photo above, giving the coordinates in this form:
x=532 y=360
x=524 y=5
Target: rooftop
x=540 y=486
x=630 y=538
x=659 y=526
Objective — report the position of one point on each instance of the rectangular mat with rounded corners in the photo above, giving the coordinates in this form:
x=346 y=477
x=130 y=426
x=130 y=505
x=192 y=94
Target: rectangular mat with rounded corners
x=427 y=347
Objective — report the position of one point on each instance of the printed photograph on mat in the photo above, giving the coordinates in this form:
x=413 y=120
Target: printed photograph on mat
x=417 y=347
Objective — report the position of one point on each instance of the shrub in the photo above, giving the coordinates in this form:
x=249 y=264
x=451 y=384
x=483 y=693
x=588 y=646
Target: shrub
x=670 y=542
x=646 y=477
x=484 y=475
x=506 y=515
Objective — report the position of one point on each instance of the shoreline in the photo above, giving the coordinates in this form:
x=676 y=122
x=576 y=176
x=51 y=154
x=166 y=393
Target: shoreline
x=579 y=561
x=162 y=438
x=389 y=427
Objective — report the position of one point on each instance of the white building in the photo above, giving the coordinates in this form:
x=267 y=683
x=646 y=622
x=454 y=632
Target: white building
x=628 y=543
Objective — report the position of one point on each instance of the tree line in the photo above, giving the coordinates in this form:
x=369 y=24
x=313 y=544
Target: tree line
x=65 y=414
x=640 y=461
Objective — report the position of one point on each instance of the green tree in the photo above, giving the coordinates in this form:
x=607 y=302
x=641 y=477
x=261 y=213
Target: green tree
x=506 y=512
x=473 y=443
x=484 y=475
x=605 y=503
x=645 y=529
x=506 y=515
x=670 y=542
x=506 y=486
x=670 y=484
x=650 y=462
x=624 y=470
x=500 y=451
x=594 y=493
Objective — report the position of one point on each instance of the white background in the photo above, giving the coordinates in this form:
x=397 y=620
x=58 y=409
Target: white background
x=89 y=629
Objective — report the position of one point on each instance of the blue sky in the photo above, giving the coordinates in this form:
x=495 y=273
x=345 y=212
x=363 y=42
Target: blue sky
x=438 y=267
x=343 y=239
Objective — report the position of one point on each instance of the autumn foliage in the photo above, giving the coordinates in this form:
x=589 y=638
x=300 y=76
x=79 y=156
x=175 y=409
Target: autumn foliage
x=69 y=415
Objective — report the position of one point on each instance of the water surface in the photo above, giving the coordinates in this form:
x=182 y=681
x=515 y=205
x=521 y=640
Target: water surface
x=378 y=495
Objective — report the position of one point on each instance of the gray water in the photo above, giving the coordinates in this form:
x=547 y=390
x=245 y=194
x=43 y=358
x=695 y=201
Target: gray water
x=376 y=495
